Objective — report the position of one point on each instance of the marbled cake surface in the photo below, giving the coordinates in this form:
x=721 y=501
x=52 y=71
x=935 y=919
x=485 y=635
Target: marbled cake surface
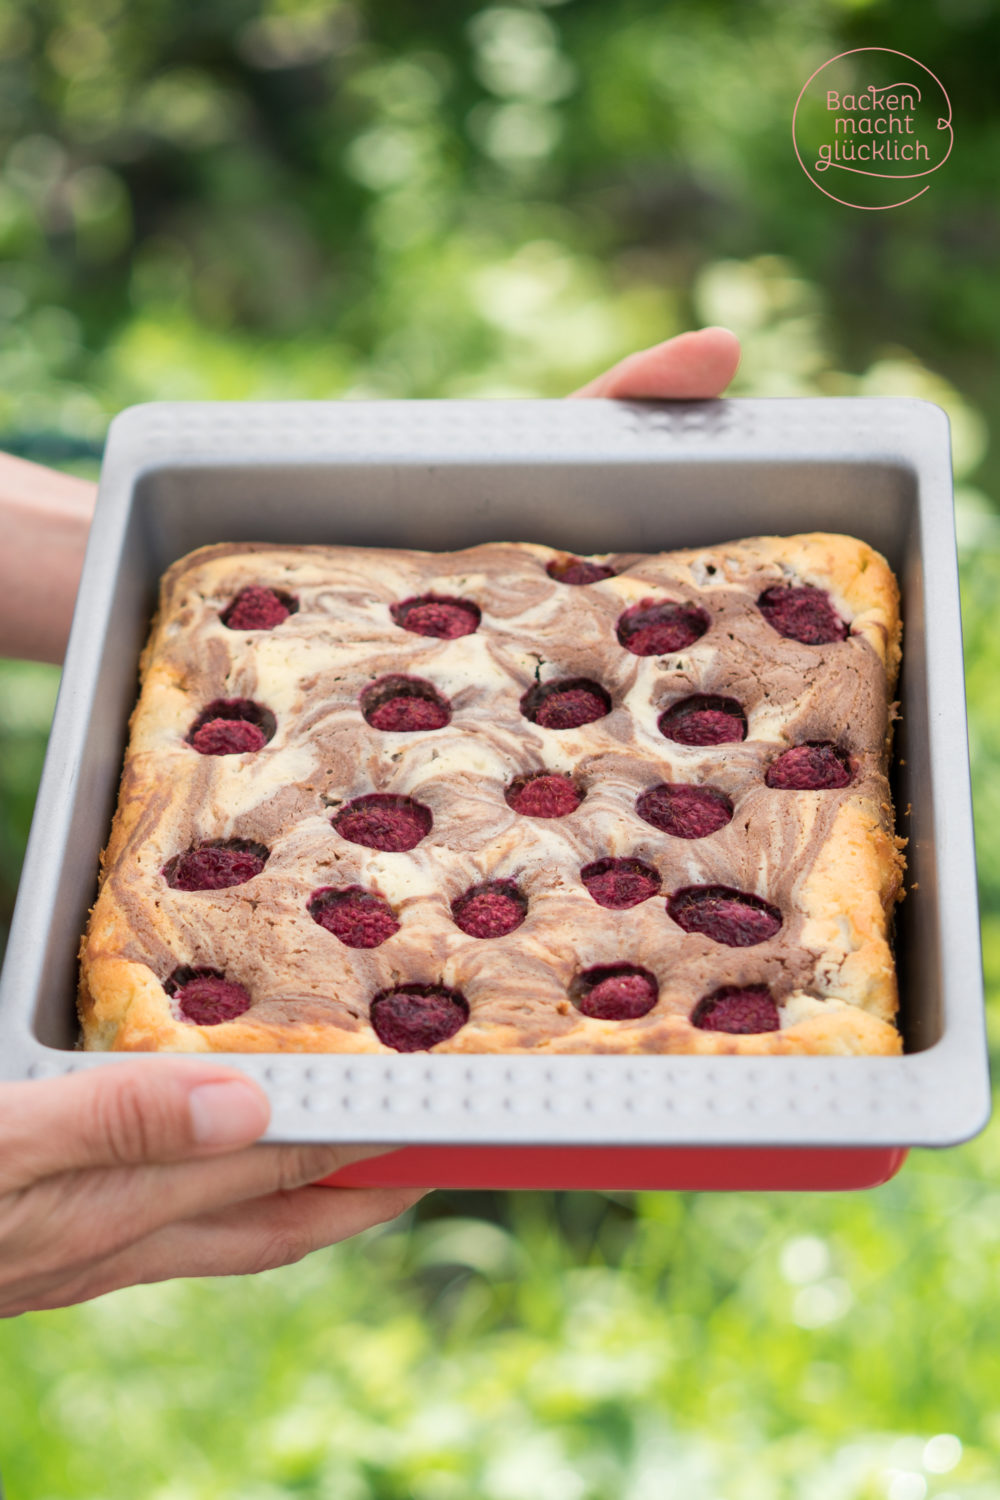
x=826 y=861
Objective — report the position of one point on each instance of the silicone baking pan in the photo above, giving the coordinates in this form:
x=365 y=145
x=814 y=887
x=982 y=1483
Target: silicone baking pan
x=584 y=476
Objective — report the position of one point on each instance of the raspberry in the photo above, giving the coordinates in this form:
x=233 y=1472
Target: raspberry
x=724 y=915
x=231 y=726
x=543 y=794
x=577 y=570
x=619 y=993
x=216 y=865
x=620 y=883
x=687 y=812
x=802 y=614
x=738 y=1009
x=228 y=737
x=379 y=821
x=433 y=614
x=409 y=714
x=703 y=720
x=414 y=1017
x=566 y=704
x=490 y=910
x=359 y=918
x=653 y=627
x=815 y=766
x=257 y=608
x=406 y=704
x=206 y=997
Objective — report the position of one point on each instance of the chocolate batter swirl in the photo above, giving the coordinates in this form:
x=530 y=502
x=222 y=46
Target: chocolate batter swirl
x=311 y=670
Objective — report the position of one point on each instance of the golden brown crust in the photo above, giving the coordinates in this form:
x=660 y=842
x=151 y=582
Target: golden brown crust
x=829 y=859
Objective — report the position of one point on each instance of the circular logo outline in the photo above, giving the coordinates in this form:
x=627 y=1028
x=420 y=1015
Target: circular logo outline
x=942 y=125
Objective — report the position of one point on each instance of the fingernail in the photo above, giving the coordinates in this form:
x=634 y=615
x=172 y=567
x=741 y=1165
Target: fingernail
x=227 y=1114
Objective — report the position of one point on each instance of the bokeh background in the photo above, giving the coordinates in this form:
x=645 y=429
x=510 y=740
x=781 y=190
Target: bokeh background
x=282 y=198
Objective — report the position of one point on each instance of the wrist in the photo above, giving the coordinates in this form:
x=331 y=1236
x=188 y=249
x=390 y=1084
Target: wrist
x=46 y=519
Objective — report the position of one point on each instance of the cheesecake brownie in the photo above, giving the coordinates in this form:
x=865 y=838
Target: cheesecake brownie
x=507 y=800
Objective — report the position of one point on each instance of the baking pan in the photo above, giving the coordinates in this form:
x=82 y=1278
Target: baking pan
x=584 y=476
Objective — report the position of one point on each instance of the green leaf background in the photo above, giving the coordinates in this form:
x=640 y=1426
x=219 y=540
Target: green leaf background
x=281 y=198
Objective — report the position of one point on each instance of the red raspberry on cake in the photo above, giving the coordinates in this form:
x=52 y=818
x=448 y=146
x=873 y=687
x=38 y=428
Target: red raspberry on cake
x=445 y=618
x=393 y=824
x=216 y=865
x=543 y=794
x=621 y=992
x=813 y=767
x=740 y=1010
x=231 y=726
x=416 y=1017
x=359 y=918
x=620 y=883
x=257 y=608
x=655 y=627
x=205 y=997
x=404 y=704
x=568 y=704
x=803 y=614
x=578 y=571
x=685 y=812
x=736 y=918
x=491 y=909
x=703 y=719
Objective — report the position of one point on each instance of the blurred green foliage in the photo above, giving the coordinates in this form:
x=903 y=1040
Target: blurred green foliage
x=574 y=1346
x=27 y=699
x=285 y=198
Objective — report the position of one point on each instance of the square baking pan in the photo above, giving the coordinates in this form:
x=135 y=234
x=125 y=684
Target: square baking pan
x=583 y=476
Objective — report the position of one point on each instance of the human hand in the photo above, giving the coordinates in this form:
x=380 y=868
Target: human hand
x=44 y=521
x=144 y=1170
x=688 y=367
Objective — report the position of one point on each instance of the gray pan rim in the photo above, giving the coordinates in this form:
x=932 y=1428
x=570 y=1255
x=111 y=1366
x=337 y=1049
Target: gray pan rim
x=937 y=1096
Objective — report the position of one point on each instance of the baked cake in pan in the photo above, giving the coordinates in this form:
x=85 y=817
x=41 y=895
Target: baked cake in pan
x=507 y=800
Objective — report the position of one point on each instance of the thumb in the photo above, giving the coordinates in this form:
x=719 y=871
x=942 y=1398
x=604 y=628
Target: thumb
x=159 y=1110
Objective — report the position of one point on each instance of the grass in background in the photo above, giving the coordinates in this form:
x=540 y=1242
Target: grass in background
x=576 y=1346
x=264 y=201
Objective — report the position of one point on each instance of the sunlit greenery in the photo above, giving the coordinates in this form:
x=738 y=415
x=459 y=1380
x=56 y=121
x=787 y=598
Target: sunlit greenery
x=281 y=198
